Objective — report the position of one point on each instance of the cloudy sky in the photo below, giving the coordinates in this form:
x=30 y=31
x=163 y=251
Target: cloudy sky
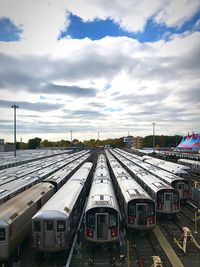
x=112 y=67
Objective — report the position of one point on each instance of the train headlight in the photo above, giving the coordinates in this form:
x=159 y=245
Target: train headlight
x=114 y=231
x=152 y=220
x=131 y=219
x=89 y=232
x=176 y=206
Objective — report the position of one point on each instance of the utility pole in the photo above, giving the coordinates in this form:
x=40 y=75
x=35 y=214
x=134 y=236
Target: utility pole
x=98 y=135
x=15 y=107
x=71 y=136
x=153 y=136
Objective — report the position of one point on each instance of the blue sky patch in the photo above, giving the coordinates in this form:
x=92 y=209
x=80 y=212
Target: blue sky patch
x=94 y=30
x=8 y=31
x=154 y=31
x=98 y=29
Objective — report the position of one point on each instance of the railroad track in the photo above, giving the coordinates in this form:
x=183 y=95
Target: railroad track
x=143 y=247
x=174 y=229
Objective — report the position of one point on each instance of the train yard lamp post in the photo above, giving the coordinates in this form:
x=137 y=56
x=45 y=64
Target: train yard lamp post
x=71 y=136
x=15 y=107
x=153 y=136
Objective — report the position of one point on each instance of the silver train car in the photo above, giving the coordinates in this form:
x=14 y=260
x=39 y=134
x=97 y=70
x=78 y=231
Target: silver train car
x=177 y=169
x=194 y=165
x=59 y=178
x=137 y=207
x=166 y=197
x=16 y=215
x=16 y=186
x=54 y=225
x=178 y=183
x=19 y=209
x=102 y=216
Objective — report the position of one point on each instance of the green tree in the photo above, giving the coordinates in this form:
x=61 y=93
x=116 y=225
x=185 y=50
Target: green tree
x=34 y=143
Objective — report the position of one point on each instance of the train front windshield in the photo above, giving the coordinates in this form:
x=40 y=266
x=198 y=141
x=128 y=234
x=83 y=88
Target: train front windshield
x=167 y=200
x=139 y=212
x=99 y=221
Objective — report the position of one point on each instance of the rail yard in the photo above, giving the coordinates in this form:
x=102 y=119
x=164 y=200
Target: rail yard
x=106 y=207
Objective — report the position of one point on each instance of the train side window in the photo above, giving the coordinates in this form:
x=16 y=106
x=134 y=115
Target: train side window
x=90 y=220
x=160 y=198
x=113 y=220
x=37 y=226
x=61 y=226
x=2 y=234
x=39 y=204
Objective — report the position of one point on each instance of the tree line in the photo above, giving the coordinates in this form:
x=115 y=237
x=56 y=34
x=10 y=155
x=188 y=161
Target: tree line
x=160 y=141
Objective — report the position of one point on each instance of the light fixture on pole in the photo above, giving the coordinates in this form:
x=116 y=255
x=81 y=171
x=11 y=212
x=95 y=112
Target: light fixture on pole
x=153 y=136
x=15 y=107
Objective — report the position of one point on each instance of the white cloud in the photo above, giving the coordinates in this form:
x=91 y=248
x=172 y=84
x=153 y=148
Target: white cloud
x=132 y=15
x=175 y=13
x=41 y=22
x=147 y=81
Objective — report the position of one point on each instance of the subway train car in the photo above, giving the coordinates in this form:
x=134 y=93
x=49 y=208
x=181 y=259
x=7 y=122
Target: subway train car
x=54 y=225
x=102 y=215
x=177 y=169
x=12 y=188
x=137 y=207
x=16 y=215
x=166 y=197
x=59 y=178
x=178 y=183
x=194 y=165
x=19 y=209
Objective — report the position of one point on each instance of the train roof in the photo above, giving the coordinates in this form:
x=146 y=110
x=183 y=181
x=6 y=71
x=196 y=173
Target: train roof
x=50 y=215
x=129 y=187
x=64 y=199
x=168 y=164
x=161 y=174
x=150 y=180
x=13 y=186
x=190 y=161
x=101 y=191
x=15 y=206
x=102 y=195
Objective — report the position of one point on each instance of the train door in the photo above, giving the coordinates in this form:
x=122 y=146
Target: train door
x=141 y=214
x=102 y=225
x=180 y=188
x=49 y=233
x=168 y=202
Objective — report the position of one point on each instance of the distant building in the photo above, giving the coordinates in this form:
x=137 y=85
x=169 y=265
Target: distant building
x=1 y=141
x=129 y=141
x=6 y=147
x=138 y=142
